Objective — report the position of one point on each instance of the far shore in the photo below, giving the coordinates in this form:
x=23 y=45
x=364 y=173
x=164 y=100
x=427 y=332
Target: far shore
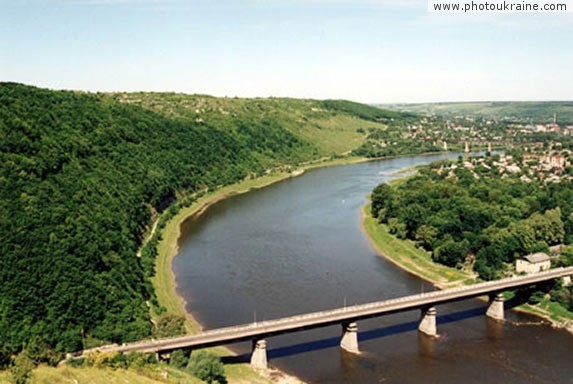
x=405 y=255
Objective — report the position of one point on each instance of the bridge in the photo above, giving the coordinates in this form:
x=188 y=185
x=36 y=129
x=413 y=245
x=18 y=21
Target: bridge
x=348 y=316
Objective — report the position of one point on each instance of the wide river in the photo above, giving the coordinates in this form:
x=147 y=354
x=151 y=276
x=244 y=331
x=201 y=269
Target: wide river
x=297 y=246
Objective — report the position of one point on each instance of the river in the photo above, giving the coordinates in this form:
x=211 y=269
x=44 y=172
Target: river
x=297 y=246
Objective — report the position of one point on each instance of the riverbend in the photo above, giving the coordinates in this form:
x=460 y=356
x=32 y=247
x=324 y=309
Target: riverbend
x=297 y=246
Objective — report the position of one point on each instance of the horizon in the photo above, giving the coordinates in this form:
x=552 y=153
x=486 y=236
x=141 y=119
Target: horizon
x=368 y=51
x=95 y=92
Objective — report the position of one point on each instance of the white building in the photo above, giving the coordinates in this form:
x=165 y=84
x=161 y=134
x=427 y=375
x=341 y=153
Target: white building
x=533 y=263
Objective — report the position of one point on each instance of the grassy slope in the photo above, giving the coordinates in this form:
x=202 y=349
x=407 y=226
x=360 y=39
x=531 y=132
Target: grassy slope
x=332 y=131
x=67 y=375
x=153 y=375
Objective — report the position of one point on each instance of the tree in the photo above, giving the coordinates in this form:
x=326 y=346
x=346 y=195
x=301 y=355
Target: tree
x=488 y=262
x=170 y=325
x=206 y=366
x=426 y=235
x=413 y=216
x=566 y=257
x=39 y=351
x=179 y=358
x=452 y=253
x=381 y=199
x=396 y=227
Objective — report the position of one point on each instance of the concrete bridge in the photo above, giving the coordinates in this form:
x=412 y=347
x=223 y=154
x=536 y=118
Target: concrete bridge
x=347 y=317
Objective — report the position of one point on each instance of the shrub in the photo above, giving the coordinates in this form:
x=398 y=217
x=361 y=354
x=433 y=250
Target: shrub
x=21 y=369
x=170 y=325
x=536 y=297
x=179 y=358
x=206 y=366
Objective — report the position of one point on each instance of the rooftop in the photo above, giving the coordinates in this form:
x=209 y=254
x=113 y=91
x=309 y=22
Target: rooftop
x=538 y=257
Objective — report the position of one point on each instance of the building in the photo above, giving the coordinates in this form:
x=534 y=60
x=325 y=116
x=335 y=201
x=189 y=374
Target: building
x=533 y=263
x=554 y=161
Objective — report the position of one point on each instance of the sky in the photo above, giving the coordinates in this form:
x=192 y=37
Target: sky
x=373 y=51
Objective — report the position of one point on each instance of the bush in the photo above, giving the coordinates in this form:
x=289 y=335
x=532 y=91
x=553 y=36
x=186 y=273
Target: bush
x=21 y=369
x=170 y=325
x=5 y=356
x=536 y=297
x=39 y=351
x=206 y=366
x=179 y=358
x=119 y=360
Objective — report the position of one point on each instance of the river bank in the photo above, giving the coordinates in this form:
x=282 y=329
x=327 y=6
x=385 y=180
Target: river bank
x=164 y=280
x=168 y=247
x=414 y=260
x=316 y=256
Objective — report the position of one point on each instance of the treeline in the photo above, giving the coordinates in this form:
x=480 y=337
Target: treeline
x=80 y=177
x=369 y=113
x=391 y=142
x=476 y=219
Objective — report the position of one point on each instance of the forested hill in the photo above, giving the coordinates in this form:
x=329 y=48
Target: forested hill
x=81 y=175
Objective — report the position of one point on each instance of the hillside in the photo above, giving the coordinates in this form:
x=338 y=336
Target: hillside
x=333 y=126
x=83 y=175
x=531 y=112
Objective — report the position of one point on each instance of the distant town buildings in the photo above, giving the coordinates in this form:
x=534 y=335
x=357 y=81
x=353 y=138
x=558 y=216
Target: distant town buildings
x=554 y=161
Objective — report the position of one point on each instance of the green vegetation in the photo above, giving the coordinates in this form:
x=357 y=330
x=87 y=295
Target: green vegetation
x=467 y=216
x=536 y=112
x=334 y=127
x=206 y=366
x=21 y=369
x=408 y=256
x=84 y=177
x=394 y=141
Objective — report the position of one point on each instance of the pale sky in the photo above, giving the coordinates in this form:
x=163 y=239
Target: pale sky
x=374 y=51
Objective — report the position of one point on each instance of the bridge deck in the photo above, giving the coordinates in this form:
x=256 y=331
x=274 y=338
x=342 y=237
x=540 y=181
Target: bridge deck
x=336 y=316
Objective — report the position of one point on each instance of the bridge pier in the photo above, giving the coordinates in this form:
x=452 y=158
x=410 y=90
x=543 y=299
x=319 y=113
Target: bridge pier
x=259 y=354
x=349 y=340
x=428 y=322
x=495 y=309
x=163 y=356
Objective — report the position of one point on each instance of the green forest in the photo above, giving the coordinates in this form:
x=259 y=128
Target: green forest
x=83 y=175
x=469 y=214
